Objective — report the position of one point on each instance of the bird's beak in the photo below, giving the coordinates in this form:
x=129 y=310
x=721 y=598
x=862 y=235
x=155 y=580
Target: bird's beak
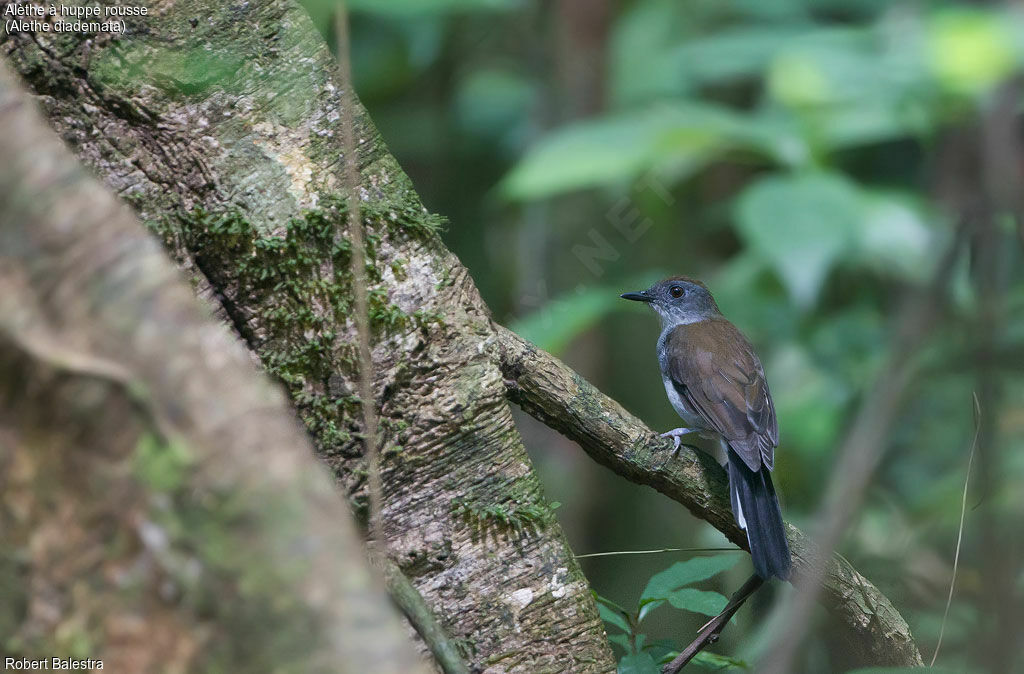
x=641 y=296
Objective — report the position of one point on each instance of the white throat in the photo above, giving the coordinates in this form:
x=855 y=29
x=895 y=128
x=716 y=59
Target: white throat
x=676 y=317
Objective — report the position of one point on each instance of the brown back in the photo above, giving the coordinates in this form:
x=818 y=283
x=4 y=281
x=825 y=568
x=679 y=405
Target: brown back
x=715 y=370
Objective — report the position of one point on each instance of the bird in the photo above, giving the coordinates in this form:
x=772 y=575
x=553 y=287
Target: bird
x=716 y=383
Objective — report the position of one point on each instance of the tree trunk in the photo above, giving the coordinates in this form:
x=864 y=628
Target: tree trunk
x=226 y=141
x=160 y=508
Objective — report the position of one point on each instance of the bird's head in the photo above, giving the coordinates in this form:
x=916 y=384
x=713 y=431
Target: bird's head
x=678 y=300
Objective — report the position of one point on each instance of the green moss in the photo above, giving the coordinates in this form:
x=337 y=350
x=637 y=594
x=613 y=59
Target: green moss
x=394 y=429
x=398 y=269
x=423 y=319
x=383 y=314
x=162 y=467
x=466 y=646
x=300 y=282
x=178 y=73
x=493 y=507
x=395 y=205
x=443 y=279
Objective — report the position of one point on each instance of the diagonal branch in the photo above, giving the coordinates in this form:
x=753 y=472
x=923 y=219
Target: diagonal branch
x=550 y=391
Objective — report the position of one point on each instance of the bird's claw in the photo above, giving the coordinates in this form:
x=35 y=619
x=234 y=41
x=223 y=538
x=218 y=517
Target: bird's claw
x=677 y=436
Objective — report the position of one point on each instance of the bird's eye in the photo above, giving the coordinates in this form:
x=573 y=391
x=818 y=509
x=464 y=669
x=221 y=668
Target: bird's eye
x=676 y=291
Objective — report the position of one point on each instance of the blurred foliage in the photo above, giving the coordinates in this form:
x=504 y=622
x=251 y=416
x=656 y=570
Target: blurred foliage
x=902 y=670
x=796 y=155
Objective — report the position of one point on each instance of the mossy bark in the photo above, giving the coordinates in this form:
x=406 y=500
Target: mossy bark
x=160 y=508
x=219 y=124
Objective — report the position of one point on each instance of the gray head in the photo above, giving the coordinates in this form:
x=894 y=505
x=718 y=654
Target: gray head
x=678 y=300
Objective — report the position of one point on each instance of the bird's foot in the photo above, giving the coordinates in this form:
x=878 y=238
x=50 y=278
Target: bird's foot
x=677 y=434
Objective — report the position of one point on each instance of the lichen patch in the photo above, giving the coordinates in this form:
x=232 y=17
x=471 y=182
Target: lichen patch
x=557 y=584
x=521 y=598
x=286 y=146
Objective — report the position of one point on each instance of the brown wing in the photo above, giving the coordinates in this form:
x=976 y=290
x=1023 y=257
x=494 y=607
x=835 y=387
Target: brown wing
x=715 y=370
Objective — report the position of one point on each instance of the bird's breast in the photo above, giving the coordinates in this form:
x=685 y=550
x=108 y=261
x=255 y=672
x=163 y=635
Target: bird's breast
x=682 y=408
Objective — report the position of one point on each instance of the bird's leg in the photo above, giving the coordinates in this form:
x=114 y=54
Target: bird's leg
x=677 y=434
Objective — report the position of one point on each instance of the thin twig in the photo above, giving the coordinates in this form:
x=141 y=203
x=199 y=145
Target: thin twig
x=401 y=589
x=655 y=552
x=713 y=628
x=358 y=269
x=960 y=531
x=408 y=598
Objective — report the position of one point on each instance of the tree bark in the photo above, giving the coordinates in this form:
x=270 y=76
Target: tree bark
x=226 y=141
x=238 y=170
x=161 y=508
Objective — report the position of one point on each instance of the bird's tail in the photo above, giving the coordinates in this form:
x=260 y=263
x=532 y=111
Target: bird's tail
x=756 y=509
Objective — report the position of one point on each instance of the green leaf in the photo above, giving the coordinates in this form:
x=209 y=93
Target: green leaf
x=800 y=224
x=638 y=663
x=592 y=153
x=744 y=51
x=612 y=617
x=852 y=86
x=493 y=103
x=662 y=48
x=810 y=400
x=718 y=663
x=663 y=584
x=894 y=237
x=662 y=650
x=621 y=640
x=553 y=326
x=640 y=63
x=804 y=224
x=648 y=605
x=904 y=670
x=612 y=613
x=607 y=602
x=829 y=66
x=413 y=7
x=698 y=601
x=676 y=138
x=971 y=51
